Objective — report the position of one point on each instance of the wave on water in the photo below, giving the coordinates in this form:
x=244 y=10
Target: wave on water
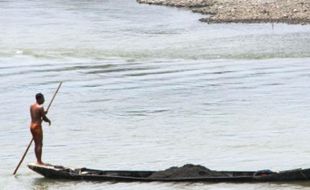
x=166 y=53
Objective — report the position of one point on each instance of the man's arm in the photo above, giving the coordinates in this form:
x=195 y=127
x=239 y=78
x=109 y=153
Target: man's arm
x=43 y=114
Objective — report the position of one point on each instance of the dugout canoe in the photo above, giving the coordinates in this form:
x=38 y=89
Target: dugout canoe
x=61 y=172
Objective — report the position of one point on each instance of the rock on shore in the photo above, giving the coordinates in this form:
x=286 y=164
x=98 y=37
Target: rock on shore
x=245 y=11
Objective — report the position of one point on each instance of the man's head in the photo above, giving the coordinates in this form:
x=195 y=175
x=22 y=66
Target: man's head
x=40 y=98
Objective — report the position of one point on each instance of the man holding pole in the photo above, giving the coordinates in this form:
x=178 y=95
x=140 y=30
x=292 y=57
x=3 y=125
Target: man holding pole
x=37 y=116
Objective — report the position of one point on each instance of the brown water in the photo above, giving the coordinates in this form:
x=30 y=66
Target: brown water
x=147 y=88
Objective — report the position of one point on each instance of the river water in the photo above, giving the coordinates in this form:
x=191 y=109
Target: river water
x=149 y=87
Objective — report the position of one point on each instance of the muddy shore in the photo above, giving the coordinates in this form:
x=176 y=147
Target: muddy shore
x=245 y=11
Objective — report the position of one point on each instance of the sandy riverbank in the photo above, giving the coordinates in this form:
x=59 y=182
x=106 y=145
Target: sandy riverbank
x=245 y=11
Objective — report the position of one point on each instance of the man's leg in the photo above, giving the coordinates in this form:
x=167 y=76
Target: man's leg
x=38 y=137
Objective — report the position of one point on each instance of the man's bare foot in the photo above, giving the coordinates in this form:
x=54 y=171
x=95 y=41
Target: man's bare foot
x=41 y=163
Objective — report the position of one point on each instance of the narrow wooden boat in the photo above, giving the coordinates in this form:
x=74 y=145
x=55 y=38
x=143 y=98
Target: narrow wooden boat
x=60 y=172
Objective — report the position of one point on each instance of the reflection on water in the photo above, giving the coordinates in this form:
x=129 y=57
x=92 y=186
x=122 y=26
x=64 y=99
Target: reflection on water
x=147 y=88
x=43 y=184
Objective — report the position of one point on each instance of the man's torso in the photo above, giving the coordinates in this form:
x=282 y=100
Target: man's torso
x=36 y=115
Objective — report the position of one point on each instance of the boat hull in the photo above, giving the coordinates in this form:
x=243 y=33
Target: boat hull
x=60 y=172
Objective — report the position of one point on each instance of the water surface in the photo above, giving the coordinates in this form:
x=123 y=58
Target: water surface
x=147 y=88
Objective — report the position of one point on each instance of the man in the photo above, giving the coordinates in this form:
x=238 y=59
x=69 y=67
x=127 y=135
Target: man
x=37 y=115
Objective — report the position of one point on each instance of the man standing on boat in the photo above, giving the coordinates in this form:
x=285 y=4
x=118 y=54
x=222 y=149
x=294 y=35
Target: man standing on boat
x=37 y=116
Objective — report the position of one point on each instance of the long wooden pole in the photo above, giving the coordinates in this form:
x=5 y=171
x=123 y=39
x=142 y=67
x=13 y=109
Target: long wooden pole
x=25 y=153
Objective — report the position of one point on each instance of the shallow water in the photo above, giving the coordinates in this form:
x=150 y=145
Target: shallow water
x=148 y=87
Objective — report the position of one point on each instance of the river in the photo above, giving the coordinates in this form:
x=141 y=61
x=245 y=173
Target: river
x=150 y=87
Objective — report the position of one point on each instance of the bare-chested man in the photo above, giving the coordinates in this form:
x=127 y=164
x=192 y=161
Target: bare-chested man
x=37 y=115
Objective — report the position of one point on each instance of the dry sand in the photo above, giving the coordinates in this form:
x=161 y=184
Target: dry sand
x=188 y=170
x=245 y=11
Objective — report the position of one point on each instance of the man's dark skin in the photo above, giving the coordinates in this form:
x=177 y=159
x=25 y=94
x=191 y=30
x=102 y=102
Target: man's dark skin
x=37 y=116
